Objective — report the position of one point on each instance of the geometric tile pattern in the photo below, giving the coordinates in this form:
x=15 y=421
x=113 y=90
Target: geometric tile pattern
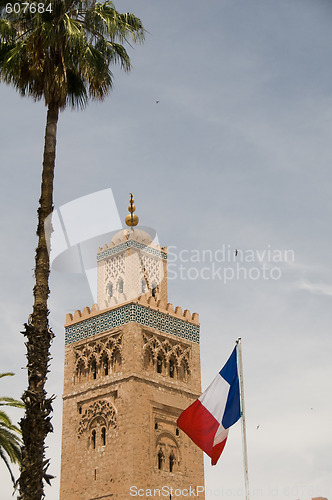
x=131 y=313
x=128 y=244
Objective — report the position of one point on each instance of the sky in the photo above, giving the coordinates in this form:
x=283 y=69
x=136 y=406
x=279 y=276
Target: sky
x=235 y=154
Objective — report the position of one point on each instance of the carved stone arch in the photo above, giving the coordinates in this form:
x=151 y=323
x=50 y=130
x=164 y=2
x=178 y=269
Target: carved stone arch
x=101 y=411
x=110 y=289
x=178 y=351
x=87 y=350
x=114 y=341
x=105 y=361
x=120 y=285
x=166 y=443
x=172 y=366
x=155 y=342
x=92 y=366
x=185 y=359
x=110 y=344
x=160 y=458
x=160 y=359
x=167 y=346
x=97 y=421
x=80 y=369
x=97 y=349
x=172 y=461
x=152 y=340
x=161 y=350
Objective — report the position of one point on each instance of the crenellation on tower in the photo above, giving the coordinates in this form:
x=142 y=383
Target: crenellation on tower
x=144 y=300
x=132 y=365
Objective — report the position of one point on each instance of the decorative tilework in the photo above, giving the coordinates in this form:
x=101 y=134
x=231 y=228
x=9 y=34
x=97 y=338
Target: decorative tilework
x=131 y=313
x=128 y=244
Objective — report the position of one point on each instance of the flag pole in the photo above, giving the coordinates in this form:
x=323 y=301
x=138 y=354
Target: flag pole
x=244 y=435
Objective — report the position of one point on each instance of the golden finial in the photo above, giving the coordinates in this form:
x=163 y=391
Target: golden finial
x=131 y=219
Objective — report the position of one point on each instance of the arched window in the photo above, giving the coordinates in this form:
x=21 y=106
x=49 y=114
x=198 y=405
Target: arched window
x=160 y=361
x=110 y=290
x=143 y=285
x=93 y=439
x=154 y=289
x=93 y=368
x=103 y=436
x=172 y=367
x=120 y=286
x=160 y=459
x=105 y=364
x=80 y=370
x=171 y=462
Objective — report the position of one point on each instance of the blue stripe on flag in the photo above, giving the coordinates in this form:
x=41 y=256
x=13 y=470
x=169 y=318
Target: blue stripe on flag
x=229 y=372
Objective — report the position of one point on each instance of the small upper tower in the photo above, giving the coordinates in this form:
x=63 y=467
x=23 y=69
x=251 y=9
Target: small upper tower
x=132 y=365
x=131 y=266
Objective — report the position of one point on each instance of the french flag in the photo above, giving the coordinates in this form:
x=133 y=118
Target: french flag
x=208 y=419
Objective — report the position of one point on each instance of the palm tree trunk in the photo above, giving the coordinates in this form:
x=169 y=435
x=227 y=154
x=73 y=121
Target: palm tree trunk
x=36 y=423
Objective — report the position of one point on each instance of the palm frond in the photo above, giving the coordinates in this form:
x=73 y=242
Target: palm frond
x=4 y=458
x=10 y=434
x=8 y=374
x=64 y=57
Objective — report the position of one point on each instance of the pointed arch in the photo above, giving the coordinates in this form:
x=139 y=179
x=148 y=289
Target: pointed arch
x=105 y=363
x=161 y=362
x=92 y=367
x=80 y=371
x=172 y=367
x=97 y=415
x=160 y=459
x=110 y=290
x=168 y=446
x=120 y=285
x=171 y=461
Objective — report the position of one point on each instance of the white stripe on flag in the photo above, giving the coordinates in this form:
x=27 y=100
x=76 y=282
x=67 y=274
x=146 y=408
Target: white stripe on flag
x=215 y=397
x=220 y=435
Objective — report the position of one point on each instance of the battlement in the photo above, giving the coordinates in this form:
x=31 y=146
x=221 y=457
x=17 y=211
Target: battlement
x=143 y=310
x=145 y=300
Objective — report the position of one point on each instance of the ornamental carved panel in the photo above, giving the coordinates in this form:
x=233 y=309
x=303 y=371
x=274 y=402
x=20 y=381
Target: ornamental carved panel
x=100 y=413
x=165 y=356
x=98 y=358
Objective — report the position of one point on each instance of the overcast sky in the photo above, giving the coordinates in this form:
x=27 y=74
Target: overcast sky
x=236 y=154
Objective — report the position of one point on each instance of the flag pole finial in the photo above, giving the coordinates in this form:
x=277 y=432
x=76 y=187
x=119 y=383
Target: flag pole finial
x=131 y=219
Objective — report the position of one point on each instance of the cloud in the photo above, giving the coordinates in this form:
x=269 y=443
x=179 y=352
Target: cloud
x=316 y=288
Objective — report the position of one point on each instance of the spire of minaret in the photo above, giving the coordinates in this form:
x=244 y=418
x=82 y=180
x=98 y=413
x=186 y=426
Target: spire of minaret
x=131 y=219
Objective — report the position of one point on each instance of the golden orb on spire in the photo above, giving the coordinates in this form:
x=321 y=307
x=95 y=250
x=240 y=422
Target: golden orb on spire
x=131 y=219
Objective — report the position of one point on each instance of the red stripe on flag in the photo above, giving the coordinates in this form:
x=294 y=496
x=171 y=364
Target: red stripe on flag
x=198 y=423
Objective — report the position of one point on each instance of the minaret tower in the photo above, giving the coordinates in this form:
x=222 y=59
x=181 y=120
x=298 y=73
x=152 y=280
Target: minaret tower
x=132 y=364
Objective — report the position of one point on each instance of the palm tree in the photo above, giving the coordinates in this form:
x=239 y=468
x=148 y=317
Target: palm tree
x=10 y=442
x=64 y=58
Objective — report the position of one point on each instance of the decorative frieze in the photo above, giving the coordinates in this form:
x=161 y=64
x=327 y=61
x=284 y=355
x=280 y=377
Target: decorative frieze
x=128 y=313
x=131 y=244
